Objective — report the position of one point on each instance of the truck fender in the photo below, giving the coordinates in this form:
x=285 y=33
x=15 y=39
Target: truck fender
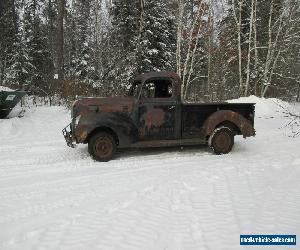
x=119 y=124
x=222 y=116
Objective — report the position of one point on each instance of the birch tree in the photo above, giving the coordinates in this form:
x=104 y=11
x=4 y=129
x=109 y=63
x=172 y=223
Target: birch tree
x=285 y=66
x=190 y=32
x=237 y=14
x=252 y=21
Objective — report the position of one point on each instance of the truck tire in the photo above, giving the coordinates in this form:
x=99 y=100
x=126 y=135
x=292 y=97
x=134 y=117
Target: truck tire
x=221 y=141
x=102 y=146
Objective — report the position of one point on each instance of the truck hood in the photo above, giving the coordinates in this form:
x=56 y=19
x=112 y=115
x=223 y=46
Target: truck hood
x=103 y=105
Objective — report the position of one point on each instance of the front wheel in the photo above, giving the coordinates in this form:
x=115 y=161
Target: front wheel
x=221 y=141
x=102 y=146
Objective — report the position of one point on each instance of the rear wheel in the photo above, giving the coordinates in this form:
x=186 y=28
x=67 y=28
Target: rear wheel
x=222 y=140
x=102 y=146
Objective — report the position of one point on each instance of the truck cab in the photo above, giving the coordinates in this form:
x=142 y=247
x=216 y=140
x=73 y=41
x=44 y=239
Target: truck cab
x=153 y=115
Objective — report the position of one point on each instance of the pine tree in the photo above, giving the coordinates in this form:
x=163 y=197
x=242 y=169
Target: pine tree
x=8 y=34
x=125 y=23
x=20 y=70
x=144 y=37
x=81 y=67
x=158 y=37
x=122 y=42
x=37 y=43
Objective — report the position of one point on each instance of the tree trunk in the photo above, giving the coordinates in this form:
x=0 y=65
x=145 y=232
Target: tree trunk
x=191 y=70
x=255 y=48
x=179 y=37
x=60 y=40
x=268 y=59
x=271 y=53
x=298 y=93
x=240 y=46
x=187 y=69
x=141 y=30
x=210 y=38
x=51 y=33
x=238 y=20
x=249 y=49
x=15 y=16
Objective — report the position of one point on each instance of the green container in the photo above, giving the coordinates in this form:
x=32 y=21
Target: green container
x=8 y=100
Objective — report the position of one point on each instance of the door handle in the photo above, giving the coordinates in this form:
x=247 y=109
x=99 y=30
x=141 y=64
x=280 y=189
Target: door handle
x=171 y=107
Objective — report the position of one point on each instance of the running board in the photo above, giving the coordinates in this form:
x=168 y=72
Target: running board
x=168 y=143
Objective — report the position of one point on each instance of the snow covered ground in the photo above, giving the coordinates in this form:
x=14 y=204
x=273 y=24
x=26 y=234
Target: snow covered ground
x=55 y=197
x=2 y=88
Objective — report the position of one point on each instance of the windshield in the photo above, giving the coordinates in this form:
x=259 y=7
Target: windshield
x=135 y=89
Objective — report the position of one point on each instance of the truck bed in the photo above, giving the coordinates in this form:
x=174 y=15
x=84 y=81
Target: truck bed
x=195 y=114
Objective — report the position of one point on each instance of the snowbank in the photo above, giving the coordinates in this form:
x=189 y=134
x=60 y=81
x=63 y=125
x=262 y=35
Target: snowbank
x=32 y=122
x=2 y=88
x=16 y=111
x=271 y=107
x=55 y=197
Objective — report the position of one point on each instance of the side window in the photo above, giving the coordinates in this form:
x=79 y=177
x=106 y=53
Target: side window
x=134 y=90
x=149 y=90
x=157 y=89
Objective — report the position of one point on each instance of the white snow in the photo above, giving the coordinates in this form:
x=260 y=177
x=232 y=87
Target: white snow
x=267 y=108
x=3 y=88
x=55 y=197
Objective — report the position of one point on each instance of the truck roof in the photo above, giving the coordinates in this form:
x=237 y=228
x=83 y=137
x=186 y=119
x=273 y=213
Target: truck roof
x=162 y=74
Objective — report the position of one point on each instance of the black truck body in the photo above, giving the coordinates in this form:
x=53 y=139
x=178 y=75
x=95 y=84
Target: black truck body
x=153 y=115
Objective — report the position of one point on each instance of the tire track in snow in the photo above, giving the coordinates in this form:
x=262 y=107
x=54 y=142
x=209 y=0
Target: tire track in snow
x=53 y=197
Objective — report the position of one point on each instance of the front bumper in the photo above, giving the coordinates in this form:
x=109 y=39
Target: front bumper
x=67 y=132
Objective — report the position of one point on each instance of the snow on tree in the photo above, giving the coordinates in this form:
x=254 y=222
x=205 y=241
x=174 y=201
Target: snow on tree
x=20 y=70
x=156 y=51
x=80 y=64
x=37 y=45
x=220 y=49
x=193 y=33
x=8 y=34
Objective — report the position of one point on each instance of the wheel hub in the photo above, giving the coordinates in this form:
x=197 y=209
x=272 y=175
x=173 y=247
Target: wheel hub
x=222 y=141
x=103 y=147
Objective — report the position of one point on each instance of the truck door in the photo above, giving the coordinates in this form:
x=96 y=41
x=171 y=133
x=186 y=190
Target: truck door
x=158 y=111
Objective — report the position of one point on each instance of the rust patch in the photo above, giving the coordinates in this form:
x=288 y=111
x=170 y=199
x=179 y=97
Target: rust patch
x=104 y=105
x=219 y=117
x=154 y=118
x=81 y=134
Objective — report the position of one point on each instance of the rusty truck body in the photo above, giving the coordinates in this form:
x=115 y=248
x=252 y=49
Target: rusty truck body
x=153 y=115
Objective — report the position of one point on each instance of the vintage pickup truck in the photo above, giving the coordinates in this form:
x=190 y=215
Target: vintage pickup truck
x=153 y=115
